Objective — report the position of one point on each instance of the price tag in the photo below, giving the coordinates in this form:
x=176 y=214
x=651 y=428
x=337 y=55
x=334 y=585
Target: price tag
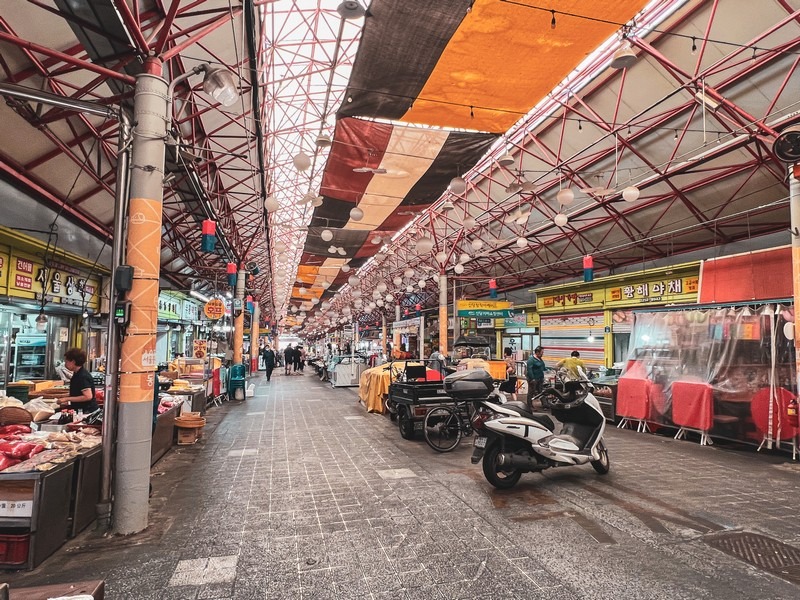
x=16 y=508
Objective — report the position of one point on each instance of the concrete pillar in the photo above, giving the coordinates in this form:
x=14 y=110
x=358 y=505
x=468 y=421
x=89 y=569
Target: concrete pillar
x=442 y=314
x=396 y=334
x=383 y=333
x=238 y=322
x=456 y=320
x=138 y=351
x=794 y=219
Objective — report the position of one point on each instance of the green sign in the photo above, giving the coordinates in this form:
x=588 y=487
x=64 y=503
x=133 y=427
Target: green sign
x=486 y=314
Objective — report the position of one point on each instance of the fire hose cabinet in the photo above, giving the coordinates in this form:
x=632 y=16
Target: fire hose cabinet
x=35 y=506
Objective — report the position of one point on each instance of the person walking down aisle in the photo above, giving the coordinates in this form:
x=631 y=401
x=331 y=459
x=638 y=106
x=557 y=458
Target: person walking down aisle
x=534 y=371
x=573 y=365
x=288 y=360
x=509 y=386
x=268 y=356
x=297 y=356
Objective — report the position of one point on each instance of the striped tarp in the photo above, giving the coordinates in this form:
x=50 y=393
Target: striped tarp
x=413 y=167
x=478 y=64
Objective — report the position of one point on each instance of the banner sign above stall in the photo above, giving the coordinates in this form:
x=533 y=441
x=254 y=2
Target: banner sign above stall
x=407 y=325
x=580 y=299
x=670 y=285
x=199 y=348
x=214 y=309
x=662 y=291
x=62 y=283
x=4 y=260
x=170 y=307
x=515 y=321
x=484 y=309
x=191 y=312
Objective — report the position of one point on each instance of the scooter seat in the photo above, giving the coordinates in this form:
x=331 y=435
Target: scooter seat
x=523 y=411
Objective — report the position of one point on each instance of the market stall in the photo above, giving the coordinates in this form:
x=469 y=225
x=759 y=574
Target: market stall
x=718 y=371
x=192 y=381
x=49 y=484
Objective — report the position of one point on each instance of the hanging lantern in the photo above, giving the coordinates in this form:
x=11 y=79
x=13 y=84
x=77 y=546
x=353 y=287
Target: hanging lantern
x=208 y=241
x=249 y=304
x=588 y=268
x=301 y=161
x=565 y=196
x=231 y=271
x=630 y=193
x=493 y=288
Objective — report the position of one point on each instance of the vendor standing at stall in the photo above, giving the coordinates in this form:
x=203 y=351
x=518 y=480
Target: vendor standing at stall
x=81 y=386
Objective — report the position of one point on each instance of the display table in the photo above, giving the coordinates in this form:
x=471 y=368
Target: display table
x=95 y=589
x=164 y=433
x=605 y=390
x=197 y=398
x=86 y=489
x=34 y=514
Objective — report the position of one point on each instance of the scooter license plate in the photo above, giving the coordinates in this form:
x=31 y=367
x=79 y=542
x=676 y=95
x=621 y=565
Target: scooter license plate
x=480 y=442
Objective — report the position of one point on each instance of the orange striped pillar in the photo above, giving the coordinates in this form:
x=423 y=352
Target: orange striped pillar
x=442 y=314
x=238 y=322
x=138 y=350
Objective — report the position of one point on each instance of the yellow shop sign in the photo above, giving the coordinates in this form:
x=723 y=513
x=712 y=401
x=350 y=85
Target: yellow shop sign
x=661 y=291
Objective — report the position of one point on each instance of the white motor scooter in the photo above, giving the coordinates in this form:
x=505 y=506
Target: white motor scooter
x=511 y=440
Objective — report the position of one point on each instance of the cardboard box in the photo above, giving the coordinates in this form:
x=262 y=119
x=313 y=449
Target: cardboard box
x=45 y=385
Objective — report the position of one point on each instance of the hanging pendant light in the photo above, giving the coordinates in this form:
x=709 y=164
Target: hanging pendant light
x=441 y=257
x=326 y=235
x=424 y=245
x=323 y=140
x=630 y=193
x=398 y=281
x=476 y=244
x=624 y=57
x=301 y=161
x=356 y=214
x=271 y=204
x=458 y=185
x=459 y=269
x=505 y=160
x=560 y=219
x=565 y=196
x=469 y=223
x=522 y=242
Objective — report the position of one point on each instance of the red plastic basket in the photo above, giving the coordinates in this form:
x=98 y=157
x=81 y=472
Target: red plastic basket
x=14 y=549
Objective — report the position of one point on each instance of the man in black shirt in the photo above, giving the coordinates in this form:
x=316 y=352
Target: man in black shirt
x=81 y=386
x=288 y=357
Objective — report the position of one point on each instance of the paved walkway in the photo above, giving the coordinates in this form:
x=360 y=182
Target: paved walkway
x=299 y=493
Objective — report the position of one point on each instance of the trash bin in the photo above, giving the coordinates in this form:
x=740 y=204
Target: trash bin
x=237 y=382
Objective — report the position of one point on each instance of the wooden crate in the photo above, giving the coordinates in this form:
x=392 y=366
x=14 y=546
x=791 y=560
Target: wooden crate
x=188 y=435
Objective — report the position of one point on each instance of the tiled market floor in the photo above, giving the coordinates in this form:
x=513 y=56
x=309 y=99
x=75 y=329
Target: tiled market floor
x=299 y=493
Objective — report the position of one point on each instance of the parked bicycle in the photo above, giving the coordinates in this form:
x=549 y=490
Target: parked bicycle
x=444 y=426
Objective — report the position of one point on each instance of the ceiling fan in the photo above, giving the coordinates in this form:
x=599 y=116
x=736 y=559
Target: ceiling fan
x=374 y=171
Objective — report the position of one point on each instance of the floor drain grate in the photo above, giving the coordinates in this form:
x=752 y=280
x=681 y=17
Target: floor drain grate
x=761 y=551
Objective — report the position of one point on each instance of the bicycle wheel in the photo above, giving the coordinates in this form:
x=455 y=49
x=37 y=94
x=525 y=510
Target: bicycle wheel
x=442 y=429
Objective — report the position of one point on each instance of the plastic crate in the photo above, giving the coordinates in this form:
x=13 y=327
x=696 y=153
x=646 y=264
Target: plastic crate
x=14 y=548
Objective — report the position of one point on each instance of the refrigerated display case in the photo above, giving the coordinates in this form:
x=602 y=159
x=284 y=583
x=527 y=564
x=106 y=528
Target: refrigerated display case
x=30 y=357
